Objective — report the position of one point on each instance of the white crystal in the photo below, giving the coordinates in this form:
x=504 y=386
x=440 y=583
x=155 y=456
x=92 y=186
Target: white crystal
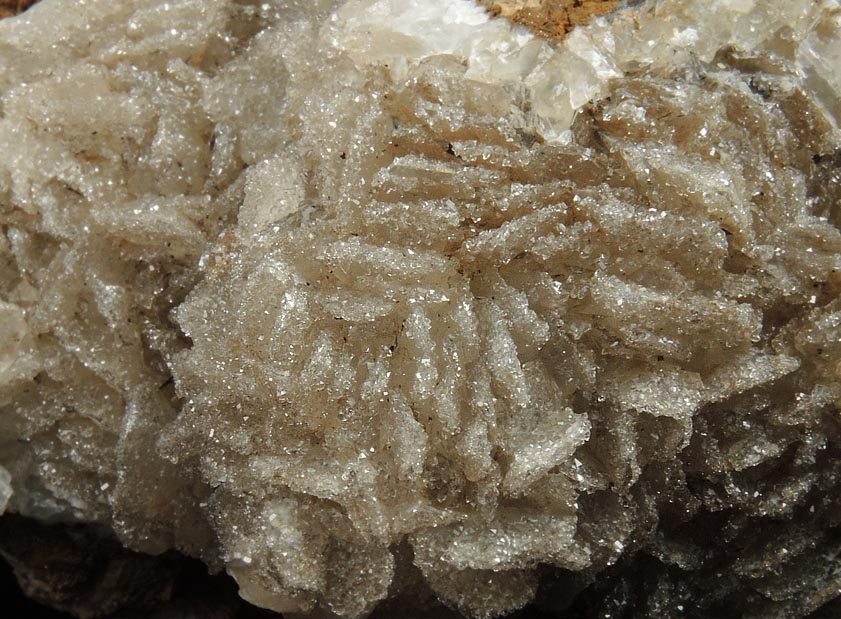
x=307 y=288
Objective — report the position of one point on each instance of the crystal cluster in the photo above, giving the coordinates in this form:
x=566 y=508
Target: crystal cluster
x=359 y=299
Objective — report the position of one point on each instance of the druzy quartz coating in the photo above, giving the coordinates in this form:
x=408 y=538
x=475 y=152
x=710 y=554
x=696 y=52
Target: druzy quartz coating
x=372 y=299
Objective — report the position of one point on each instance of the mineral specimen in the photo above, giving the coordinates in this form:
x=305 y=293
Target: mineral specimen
x=363 y=299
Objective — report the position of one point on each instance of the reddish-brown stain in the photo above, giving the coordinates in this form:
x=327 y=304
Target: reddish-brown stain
x=551 y=19
x=13 y=7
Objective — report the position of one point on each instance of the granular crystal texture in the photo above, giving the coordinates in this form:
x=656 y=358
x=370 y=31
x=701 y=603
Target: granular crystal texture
x=362 y=300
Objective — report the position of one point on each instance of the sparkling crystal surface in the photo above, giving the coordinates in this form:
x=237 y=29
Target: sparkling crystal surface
x=359 y=299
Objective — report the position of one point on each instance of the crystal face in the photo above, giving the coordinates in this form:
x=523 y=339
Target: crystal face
x=363 y=299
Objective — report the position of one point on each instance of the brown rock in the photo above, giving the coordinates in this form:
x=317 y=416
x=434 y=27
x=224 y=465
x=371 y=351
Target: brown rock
x=551 y=19
x=9 y=8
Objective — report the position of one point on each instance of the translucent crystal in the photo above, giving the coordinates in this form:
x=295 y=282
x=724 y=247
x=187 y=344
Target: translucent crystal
x=5 y=489
x=360 y=300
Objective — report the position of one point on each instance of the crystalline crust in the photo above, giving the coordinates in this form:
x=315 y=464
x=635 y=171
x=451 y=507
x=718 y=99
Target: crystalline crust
x=355 y=299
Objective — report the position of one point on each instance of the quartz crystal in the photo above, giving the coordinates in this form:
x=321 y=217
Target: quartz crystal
x=359 y=299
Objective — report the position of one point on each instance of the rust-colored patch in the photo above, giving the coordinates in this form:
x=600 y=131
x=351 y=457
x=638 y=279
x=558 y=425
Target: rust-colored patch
x=13 y=7
x=551 y=19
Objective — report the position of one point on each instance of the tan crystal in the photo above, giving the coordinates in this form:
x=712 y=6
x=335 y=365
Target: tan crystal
x=324 y=322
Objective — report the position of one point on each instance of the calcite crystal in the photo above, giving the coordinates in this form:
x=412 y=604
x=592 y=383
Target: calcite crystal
x=361 y=300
